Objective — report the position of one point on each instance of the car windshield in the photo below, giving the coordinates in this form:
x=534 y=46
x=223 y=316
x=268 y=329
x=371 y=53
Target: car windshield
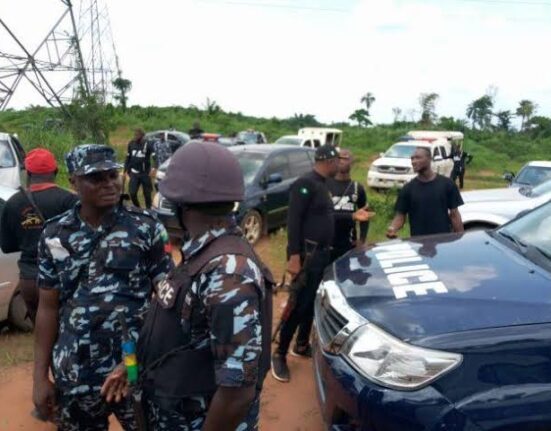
x=401 y=151
x=248 y=137
x=289 y=141
x=542 y=189
x=531 y=233
x=250 y=164
x=6 y=155
x=533 y=175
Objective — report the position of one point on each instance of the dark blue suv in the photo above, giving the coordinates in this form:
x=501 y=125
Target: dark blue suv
x=434 y=333
x=268 y=171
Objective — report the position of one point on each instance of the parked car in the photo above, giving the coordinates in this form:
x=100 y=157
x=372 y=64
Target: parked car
x=12 y=158
x=487 y=209
x=531 y=174
x=175 y=138
x=268 y=171
x=251 y=137
x=449 y=332
x=12 y=305
x=313 y=137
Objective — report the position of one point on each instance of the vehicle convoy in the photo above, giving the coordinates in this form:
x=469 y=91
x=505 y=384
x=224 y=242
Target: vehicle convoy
x=268 y=170
x=531 y=174
x=12 y=158
x=313 y=137
x=393 y=168
x=487 y=209
x=12 y=305
x=448 y=332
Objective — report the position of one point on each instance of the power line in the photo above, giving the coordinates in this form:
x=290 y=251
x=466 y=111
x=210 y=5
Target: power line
x=511 y=2
x=277 y=6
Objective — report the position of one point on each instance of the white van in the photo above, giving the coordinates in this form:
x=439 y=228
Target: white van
x=313 y=137
x=393 y=168
x=12 y=161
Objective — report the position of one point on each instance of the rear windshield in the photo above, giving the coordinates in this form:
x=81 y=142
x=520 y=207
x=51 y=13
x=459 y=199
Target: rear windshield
x=6 y=155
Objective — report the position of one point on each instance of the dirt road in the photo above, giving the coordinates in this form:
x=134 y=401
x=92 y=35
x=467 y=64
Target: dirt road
x=284 y=407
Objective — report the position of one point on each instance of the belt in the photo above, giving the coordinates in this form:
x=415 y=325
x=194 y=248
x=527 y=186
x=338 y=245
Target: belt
x=313 y=246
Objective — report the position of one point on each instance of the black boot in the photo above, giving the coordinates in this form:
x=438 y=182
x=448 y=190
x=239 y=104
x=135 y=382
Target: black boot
x=280 y=370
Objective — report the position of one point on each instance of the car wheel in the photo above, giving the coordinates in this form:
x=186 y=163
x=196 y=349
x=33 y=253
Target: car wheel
x=17 y=314
x=252 y=226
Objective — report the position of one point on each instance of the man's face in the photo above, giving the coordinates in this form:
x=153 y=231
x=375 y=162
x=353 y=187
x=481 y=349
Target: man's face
x=138 y=135
x=420 y=160
x=345 y=162
x=332 y=167
x=100 y=189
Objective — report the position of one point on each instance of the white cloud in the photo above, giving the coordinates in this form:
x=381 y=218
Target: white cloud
x=276 y=61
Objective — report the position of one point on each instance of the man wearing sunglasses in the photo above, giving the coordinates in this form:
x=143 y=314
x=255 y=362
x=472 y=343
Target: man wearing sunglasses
x=96 y=261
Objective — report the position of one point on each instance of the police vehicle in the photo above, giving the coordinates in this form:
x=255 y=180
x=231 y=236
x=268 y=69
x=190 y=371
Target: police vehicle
x=434 y=333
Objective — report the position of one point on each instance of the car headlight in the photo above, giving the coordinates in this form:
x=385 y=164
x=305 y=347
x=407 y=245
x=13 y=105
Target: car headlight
x=390 y=362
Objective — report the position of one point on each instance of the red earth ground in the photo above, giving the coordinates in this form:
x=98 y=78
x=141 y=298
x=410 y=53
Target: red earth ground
x=284 y=407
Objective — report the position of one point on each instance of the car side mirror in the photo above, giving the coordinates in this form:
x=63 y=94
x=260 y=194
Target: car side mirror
x=508 y=176
x=272 y=179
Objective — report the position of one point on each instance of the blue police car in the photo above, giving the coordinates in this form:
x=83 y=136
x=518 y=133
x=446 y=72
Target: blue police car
x=434 y=333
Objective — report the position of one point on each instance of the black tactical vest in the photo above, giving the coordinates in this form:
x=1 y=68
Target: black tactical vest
x=171 y=370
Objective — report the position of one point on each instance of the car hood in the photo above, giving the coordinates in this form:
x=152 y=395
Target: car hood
x=493 y=195
x=393 y=161
x=470 y=282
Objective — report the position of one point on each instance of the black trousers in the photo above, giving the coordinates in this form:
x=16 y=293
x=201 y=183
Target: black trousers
x=340 y=250
x=143 y=180
x=458 y=174
x=302 y=316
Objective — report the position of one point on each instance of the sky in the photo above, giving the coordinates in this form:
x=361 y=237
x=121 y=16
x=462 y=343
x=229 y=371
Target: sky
x=280 y=57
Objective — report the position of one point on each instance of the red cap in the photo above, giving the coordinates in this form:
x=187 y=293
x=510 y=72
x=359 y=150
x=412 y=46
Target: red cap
x=40 y=161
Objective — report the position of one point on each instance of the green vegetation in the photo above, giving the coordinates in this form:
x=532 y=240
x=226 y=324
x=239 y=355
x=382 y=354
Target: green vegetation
x=495 y=149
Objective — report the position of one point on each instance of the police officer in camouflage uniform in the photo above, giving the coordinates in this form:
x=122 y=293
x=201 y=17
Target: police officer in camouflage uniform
x=206 y=340
x=93 y=259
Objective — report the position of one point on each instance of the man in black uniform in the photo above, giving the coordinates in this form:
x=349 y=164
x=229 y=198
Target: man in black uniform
x=460 y=161
x=24 y=216
x=310 y=229
x=348 y=196
x=195 y=132
x=138 y=167
x=429 y=200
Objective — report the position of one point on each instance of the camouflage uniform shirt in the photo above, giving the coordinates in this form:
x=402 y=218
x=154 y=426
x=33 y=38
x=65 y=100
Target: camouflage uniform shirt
x=97 y=271
x=228 y=289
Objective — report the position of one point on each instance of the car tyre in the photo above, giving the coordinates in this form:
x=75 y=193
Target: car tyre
x=252 y=226
x=17 y=314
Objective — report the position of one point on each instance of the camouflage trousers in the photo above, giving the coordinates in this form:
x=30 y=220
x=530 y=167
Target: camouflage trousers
x=90 y=412
x=160 y=419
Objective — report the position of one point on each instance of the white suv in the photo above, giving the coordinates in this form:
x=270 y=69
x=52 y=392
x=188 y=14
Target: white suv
x=12 y=158
x=393 y=168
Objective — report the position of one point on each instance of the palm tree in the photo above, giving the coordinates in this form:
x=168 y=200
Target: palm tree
x=361 y=116
x=525 y=110
x=123 y=86
x=368 y=98
x=427 y=102
x=504 y=120
x=479 y=112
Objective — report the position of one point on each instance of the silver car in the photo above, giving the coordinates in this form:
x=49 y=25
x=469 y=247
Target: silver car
x=12 y=305
x=487 y=209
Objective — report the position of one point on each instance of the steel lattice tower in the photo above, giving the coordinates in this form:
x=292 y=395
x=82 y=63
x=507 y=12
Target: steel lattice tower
x=77 y=55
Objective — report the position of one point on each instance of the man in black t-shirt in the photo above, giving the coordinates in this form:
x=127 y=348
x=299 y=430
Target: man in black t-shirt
x=23 y=221
x=430 y=201
x=348 y=196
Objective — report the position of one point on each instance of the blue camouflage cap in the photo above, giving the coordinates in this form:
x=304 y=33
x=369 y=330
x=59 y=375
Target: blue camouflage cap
x=89 y=158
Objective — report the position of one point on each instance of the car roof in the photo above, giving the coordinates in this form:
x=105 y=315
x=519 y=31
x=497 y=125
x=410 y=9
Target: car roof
x=4 y=136
x=268 y=148
x=539 y=163
x=176 y=132
x=6 y=192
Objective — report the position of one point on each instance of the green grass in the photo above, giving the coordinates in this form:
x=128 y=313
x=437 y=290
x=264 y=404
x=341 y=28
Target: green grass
x=15 y=348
